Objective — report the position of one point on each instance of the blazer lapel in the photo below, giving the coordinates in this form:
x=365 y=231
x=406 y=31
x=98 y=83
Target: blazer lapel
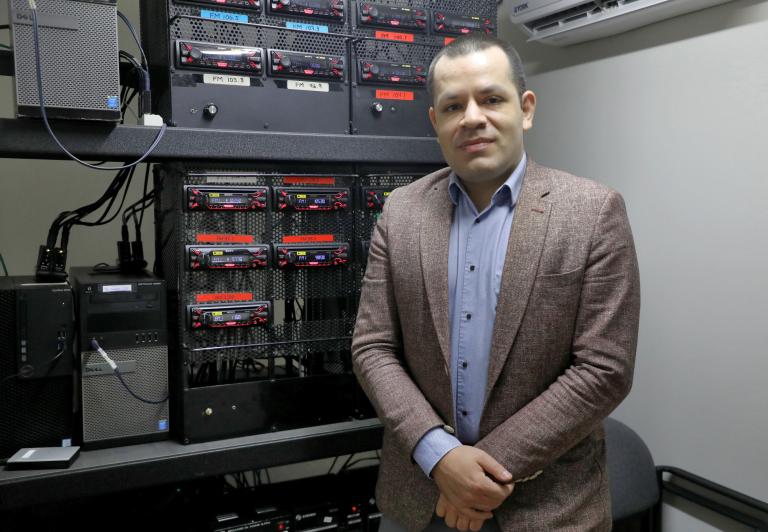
x=434 y=240
x=526 y=241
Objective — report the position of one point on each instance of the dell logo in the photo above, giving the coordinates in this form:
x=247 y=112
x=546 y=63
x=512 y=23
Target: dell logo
x=520 y=7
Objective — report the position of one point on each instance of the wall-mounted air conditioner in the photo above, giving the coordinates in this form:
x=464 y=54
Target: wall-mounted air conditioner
x=564 y=22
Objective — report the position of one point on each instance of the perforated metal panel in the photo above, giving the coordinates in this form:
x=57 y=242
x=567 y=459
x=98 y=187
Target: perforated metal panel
x=79 y=56
x=294 y=340
x=367 y=218
x=109 y=410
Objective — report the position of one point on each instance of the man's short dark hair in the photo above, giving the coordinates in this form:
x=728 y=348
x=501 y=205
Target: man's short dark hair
x=477 y=42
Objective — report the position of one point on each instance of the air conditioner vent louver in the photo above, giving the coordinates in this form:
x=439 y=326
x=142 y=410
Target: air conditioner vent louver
x=555 y=19
x=563 y=22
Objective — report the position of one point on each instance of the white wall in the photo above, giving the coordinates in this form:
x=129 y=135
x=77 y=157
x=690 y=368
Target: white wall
x=674 y=116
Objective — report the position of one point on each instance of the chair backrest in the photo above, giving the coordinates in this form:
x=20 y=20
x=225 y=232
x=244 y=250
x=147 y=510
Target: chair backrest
x=631 y=471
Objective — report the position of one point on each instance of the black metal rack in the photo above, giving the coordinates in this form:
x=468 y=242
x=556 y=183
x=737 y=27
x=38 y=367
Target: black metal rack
x=28 y=139
x=118 y=469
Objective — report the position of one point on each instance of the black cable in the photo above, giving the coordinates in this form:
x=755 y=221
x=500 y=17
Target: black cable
x=41 y=98
x=101 y=220
x=67 y=218
x=360 y=460
x=343 y=467
x=144 y=190
x=330 y=469
x=124 y=183
x=135 y=37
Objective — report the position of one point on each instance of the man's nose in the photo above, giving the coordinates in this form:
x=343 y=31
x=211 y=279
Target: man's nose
x=473 y=116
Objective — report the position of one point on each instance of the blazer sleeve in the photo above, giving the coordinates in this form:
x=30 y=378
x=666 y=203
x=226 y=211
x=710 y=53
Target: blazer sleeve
x=377 y=348
x=604 y=344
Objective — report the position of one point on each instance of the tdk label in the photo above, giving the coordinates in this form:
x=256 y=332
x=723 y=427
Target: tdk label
x=519 y=7
x=113 y=102
x=162 y=424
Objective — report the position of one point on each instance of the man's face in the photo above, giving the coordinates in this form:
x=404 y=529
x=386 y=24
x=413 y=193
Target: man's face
x=478 y=116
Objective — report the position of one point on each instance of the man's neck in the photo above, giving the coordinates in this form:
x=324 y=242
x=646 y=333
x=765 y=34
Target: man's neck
x=482 y=193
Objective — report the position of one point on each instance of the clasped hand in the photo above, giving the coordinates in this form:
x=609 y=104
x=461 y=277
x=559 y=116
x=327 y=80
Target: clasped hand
x=472 y=484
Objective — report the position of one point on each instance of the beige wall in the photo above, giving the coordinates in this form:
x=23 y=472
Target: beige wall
x=674 y=116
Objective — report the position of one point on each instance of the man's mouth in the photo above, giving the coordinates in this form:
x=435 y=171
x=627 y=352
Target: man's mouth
x=475 y=145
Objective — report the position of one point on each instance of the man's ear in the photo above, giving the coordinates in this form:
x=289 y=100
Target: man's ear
x=528 y=104
x=432 y=118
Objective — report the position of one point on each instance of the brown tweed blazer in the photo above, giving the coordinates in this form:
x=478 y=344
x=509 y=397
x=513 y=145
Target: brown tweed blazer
x=562 y=354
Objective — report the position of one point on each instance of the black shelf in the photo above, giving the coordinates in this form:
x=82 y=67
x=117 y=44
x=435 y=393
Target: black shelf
x=118 y=469
x=28 y=139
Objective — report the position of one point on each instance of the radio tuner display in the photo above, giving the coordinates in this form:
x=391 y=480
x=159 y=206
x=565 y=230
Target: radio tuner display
x=228 y=316
x=228 y=257
x=213 y=198
x=311 y=255
x=284 y=63
x=218 y=57
x=453 y=24
x=399 y=74
x=311 y=199
x=328 y=9
x=383 y=16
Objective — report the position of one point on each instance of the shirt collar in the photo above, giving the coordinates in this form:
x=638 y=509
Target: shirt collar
x=508 y=192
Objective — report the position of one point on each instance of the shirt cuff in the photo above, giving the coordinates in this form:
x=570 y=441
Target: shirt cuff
x=432 y=447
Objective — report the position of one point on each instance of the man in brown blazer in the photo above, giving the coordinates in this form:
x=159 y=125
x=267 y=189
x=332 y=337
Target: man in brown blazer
x=498 y=320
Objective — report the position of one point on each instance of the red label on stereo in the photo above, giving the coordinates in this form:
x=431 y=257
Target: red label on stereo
x=394 y=36
x=295 y=239
x=219 y=239
x=308 y=180
x=394 y=95
x=224 y=296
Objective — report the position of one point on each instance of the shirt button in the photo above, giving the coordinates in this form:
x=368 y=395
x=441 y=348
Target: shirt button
x=472 y=268
x=469 y=316
x=464 y=365
x=464 y=412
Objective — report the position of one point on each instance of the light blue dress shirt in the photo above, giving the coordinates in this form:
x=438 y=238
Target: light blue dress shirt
x=476 y=253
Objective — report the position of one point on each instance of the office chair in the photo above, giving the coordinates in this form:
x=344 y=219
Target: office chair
x=631 y=477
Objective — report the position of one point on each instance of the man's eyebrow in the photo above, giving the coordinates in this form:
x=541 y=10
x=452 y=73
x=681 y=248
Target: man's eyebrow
x=489 y=89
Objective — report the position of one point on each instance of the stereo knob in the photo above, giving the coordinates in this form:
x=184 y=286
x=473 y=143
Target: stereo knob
x=377 y=108
x=373 y=11
x=374 y=69
x=285 y=2
x=196 y=53
x=210 y=110
x=285 y=61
